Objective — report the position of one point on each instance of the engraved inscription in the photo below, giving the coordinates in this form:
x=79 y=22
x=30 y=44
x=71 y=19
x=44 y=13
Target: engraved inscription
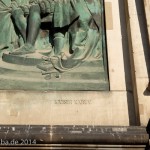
x=71 y=102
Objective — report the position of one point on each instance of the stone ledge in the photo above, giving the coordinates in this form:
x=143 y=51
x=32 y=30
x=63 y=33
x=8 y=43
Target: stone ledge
x=101 y=135
x=79 y=147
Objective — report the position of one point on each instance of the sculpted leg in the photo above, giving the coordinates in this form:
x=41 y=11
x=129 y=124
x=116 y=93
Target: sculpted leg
x=20 y=22
x=59 y=41
x=33 y=28
x=34 y=24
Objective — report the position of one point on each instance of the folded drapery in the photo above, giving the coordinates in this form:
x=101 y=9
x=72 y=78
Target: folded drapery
x=7 y=31
x=84 y=34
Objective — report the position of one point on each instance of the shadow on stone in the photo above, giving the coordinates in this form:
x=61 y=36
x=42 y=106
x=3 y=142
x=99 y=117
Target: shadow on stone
x=148 y=131
x=147 y=91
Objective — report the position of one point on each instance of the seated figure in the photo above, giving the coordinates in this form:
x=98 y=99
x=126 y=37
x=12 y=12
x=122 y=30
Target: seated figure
x=8 y=34
x=65 y=12
x=80 y=19
x=30 y=30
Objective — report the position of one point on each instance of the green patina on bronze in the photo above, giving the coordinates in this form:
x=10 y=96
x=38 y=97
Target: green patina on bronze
x=59 y=37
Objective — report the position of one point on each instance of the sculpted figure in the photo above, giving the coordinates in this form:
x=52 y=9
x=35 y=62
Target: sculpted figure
x=86 y=40
x=55 y=36
x=6 y=25
x=60 y=11
x=28 y=31
x=8 y=34
x=76 y=23
x=64 y=13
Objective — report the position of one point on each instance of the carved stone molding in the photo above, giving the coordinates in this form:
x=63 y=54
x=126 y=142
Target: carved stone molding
x=73 y=136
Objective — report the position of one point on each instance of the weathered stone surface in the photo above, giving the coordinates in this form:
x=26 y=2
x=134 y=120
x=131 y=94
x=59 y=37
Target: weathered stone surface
x=65 y=108
x=140 y=57
x=102 y=136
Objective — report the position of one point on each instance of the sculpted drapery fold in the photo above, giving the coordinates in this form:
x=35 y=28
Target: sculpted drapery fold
x=62 y=34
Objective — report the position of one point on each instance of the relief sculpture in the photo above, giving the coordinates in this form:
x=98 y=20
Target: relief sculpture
x=53 y=45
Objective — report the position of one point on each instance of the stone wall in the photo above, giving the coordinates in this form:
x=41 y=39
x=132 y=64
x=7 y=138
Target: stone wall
x=88 y=107
x=140 y=56
x=126 y=104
